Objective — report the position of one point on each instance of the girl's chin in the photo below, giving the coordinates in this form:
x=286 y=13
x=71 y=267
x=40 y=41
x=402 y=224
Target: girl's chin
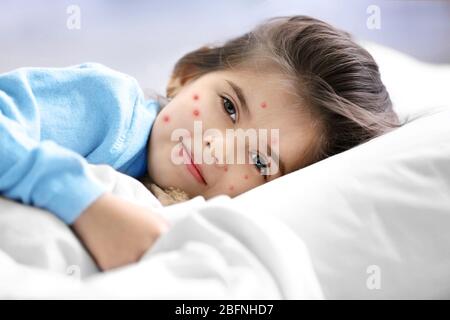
x=170 y=179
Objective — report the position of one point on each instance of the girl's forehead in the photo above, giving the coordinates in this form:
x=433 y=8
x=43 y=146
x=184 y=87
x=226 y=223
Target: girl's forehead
x=259 y=88
x=260 y=76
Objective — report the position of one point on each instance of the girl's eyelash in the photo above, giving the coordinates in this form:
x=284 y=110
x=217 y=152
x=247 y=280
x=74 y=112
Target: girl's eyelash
x=266 y=165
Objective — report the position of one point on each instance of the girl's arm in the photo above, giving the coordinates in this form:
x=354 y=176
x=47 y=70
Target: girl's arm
x=54 y=120
x=118 y=232
x=42 y=173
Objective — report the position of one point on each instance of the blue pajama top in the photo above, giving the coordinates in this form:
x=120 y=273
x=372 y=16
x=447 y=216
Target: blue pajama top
x=53 y=121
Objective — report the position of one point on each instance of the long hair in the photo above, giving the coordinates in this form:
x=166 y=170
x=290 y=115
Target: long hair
x=333 y=77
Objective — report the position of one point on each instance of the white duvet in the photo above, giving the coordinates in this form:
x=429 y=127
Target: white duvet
x=210 y=253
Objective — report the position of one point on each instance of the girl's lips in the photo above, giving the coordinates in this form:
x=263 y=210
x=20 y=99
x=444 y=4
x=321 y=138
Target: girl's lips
x=191 y=166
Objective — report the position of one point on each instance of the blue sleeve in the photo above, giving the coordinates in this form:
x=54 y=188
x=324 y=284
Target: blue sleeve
x=51 y=120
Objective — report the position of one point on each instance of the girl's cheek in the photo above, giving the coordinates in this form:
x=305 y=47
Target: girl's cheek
x=164 y=121
x=196 y=106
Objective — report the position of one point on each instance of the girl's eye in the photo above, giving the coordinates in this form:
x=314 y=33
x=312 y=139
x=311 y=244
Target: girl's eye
x=260 y=163
x=229 y=109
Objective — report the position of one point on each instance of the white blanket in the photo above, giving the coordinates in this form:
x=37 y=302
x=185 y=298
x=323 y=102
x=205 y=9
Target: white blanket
x=214 y=252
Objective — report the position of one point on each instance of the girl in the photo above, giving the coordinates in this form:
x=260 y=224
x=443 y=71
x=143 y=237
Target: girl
x=294 y=74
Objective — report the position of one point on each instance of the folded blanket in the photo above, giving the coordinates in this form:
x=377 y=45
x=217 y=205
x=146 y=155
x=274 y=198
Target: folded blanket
x=213 y=251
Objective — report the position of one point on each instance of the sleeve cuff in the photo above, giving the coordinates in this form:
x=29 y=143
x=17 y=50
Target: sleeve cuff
x=73 y=195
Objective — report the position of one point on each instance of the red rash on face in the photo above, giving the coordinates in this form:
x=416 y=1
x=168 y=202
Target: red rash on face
x=195 y=97
x=196 y=113
x=166 y=118
x=263 y=105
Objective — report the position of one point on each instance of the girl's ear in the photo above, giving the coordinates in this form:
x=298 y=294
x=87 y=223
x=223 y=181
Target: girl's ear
x=185 y=71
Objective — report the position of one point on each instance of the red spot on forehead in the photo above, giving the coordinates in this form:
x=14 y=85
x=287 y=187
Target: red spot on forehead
x=166 y=118
x=195 y=97
x=263 y=105
x=196 y=112
x=225 y=169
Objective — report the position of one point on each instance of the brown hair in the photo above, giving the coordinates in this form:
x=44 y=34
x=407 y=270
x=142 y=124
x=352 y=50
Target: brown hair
x=334 y=77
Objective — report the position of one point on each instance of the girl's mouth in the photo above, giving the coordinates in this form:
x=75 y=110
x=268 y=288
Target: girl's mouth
x=193 y=168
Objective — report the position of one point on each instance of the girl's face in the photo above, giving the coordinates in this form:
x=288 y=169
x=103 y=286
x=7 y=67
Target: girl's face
x=196 y=144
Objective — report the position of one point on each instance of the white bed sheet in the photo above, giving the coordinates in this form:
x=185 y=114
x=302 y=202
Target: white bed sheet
x=214 y=252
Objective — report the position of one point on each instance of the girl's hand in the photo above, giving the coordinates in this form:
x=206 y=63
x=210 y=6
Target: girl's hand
x=118 y=232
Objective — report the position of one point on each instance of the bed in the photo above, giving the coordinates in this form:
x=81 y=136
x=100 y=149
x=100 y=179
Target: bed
x=369 y=223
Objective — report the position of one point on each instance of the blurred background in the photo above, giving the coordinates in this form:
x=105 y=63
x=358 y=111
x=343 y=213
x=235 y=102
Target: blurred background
x=146 y=38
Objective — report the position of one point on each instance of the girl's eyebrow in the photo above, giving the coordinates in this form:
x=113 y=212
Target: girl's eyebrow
x=240 y=94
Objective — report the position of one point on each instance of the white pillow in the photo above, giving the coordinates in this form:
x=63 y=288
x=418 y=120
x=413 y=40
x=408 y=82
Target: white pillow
x=376 y=218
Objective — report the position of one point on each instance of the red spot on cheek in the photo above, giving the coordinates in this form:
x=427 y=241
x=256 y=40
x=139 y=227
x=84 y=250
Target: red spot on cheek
x=246 y=177
x=195 y=97
x=231 y=188
x=196 y=112
x=263 y=105
x=166 y=118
